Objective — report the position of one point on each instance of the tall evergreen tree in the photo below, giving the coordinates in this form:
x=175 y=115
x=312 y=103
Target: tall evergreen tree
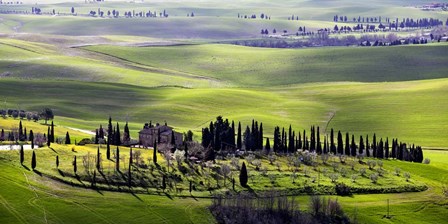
x=67 y=139
x=57 y=161
x=154 y=156
x=32 y=139
x=374 y=146
x=380 y=150
x=243 y=175
x=98 y=159
x=96 y=136
x=48 y=137
x=386 y=149
x=75 y=165
x=109 y=131
x=232 y=130
x=367 y=146
x=319 y=145
x=25 y=138
x=20 y=131
x=22 y=155
x=347 y=144
x=332 y=145
x=260 y=136
x=33 y=161
x=117 y=135
x=173 y=140
x=248 y=139
x=126 y=134
x=305 y=145
x=361 y=145
x=108 y=150
x=117 y=161
x=276 y=139
x=353 y=146
x=299 y=144
x=239 y=143
x=52 y=132
x=268 y=145
x=340 y=144
x=312 y=140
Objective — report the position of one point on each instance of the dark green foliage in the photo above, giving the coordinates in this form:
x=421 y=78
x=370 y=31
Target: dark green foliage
x=248 y=143
x=47 y=114
x=117 y=161
x=67 y=139
x=173 y=140
x=353 y=146
x=243 y=175
x=57 y=161
x=33 y=161
x=361 y=145
x=343 y=189
x=98 y=159
x=319 y=144
x=117 y=135
x=340 y=144
x=108 y=150
x=126 y=134
x=239 y=143
x=22 y=155
x=347 y=144
x=52 y=132
x=374 y=146
x=268 y=145
x=75 y=165
x=154 y=156
x=386 y=149
x=109 y=132
x=163 y=182
x=32 y=139
x=276 y=139
x=48 y=137
x=332 y=145
x=367 y=146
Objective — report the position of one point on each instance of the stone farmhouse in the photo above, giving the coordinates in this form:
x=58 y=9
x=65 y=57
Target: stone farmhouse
x=150 y=134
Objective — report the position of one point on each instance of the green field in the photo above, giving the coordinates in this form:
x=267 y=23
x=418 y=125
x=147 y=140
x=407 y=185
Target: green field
x=179 y=70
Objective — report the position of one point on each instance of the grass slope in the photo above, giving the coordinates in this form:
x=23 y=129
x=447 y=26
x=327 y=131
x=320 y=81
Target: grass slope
x=246 y=66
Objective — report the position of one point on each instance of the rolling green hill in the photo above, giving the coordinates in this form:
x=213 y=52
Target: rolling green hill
x=245 y=66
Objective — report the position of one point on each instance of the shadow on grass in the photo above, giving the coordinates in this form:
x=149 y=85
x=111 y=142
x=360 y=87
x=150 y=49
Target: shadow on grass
x=37 y=172
x=61 y=172
x=136 y=196
x=26 y=168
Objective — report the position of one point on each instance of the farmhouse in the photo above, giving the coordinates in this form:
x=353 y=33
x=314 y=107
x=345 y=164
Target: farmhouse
x=150 y=134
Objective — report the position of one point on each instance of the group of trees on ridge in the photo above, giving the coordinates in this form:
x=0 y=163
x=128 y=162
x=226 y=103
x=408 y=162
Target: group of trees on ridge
x=220 y=135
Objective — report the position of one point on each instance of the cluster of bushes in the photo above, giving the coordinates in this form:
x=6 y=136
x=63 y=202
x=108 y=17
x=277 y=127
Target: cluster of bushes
x=271 y=207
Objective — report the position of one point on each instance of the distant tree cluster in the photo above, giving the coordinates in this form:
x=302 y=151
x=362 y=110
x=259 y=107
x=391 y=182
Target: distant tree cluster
x=254 y=16
x=127 y=14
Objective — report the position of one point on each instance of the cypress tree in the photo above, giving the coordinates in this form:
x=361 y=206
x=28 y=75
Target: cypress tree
x=163 y=183
x=243 y=175
x=48 y=137
x=353 y=146
x=75 y=168
x=268 y=145
x=33 y=161
x=129 y=169
x=361 y=145
x=22 y=155
x=67 y=139
x=191 y=186
x=374 y=145
x=101 y=132
x=325 y=145
x=239 y=143
x=98 y=159
x=276 y=139
x=394 y=149
x=126 y=134
x=154 y=156
x=232 y=134
x=380 y=151
x=260 y=136
x=117 y=167
x=130 y=157
x=299 y=145
x=312 y=140
x=158 y=136
x=25 y=138
x=108 y=150
x=340 y=144
x=96 y=136
x=319 y=145
x=305 y=145
x=347 y=144
x=386 y=153
x=332 y=145
x=367 y=146
x=57 y=161
x=117 y=135
x=32 y=139
x=109 y=131
x=20 y=131
x=52 y=132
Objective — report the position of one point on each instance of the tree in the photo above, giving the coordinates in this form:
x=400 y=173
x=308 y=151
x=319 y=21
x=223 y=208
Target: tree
x=48 y=137
x=353 y=146
x=163 y=182
x=173 y=140
x=32 y=139
x=126 y=134
x=73 y=10
x=247 y=139
x=20 y=131
x=75 y=166
x=332 y=145
x=67 y=139
x=52 y=132
x=98 y=159
x=154 y=156
x=347 y=144
x=33 y=161
x=268 y=145
x=108 y=150
x=117 y=161
x=22 y=156
x=361 y=145
x=57 y=161
x=243 y=175
x=117 y=135
x=47 y=114
x=340 y=144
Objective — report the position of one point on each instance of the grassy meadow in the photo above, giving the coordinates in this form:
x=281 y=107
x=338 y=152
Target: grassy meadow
x=179 y=70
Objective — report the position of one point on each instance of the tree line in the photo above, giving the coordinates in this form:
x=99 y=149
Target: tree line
x=220 y=135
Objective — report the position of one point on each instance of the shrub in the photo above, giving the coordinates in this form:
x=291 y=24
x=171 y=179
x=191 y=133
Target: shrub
x=380 y=171
x=334 y=177
x=343 y=172
x=343 y=189
x=380 y=163
x=371 y=164
x=85 y=141
x=426 y=161
x=407 y=175
x=354 y=177
x=374 y=178
x=397 y=171
x=363 y=172
x=272 y=157
x=335 y=166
